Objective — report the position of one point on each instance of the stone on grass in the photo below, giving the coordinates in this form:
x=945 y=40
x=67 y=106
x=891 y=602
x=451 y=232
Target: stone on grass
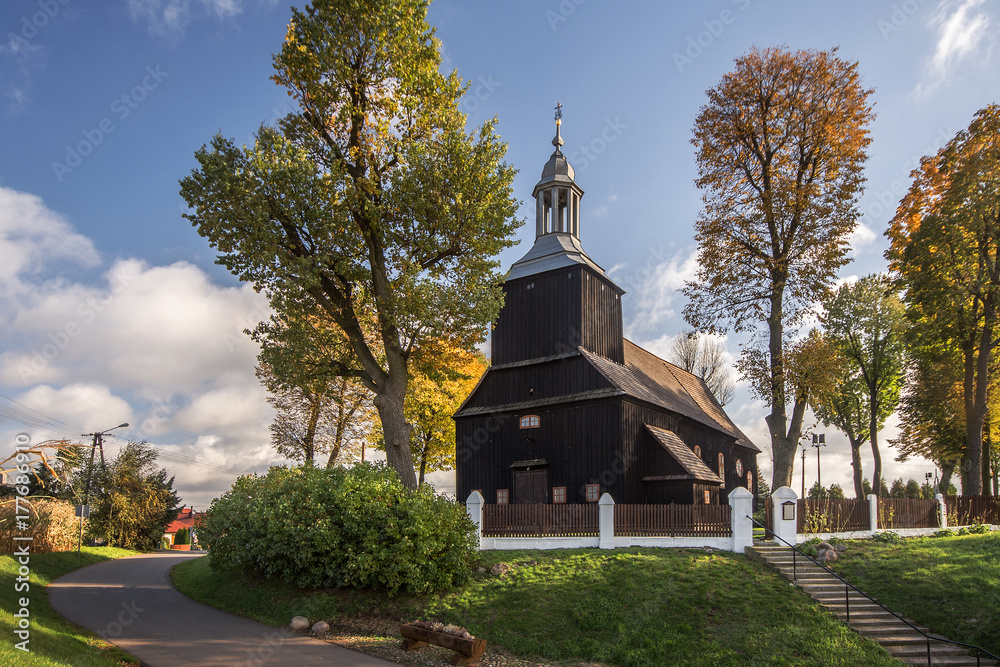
x=300 y=623
x=320 y=628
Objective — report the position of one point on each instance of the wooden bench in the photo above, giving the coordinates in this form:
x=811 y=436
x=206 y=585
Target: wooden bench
x=467 y=651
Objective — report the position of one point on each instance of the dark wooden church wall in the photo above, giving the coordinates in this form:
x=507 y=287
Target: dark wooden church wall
x=576 y=440
x=540 y=317
x=712 y=443
x=602 y=328
x=558 y=377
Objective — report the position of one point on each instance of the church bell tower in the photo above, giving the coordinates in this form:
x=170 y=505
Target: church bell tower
x=557 y=298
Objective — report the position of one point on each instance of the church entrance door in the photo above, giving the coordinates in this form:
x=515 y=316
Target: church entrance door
x=530 y=486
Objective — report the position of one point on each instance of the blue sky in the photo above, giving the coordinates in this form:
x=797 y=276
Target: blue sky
x=111 y=306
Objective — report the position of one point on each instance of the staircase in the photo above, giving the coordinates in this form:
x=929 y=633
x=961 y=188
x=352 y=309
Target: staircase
x=866 y=617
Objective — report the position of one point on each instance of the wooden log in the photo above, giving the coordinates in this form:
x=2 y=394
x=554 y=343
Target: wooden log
x=467 y=651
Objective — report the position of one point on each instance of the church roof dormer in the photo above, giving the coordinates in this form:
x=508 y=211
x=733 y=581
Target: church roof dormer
x=557 y=217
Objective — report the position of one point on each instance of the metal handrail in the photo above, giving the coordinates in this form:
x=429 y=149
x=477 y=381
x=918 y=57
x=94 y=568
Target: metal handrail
x=847 y=600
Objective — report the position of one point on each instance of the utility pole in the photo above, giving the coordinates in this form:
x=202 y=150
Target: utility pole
x=84 y=509
x=819 y=441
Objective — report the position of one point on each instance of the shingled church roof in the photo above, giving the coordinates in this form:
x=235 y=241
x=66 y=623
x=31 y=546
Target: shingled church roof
x=648 y=378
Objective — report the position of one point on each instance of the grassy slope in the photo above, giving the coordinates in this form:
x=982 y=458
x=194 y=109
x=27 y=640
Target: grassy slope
x=54 y=640
x=631 y=607
x=949 y=584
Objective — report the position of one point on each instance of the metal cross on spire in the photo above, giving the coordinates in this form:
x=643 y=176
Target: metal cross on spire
x=559 y=113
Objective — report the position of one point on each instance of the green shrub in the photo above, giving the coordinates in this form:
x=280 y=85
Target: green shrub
x=975 y=529
x=360 y=528
x=183 y=536
x=887 y=536
x=944 y=532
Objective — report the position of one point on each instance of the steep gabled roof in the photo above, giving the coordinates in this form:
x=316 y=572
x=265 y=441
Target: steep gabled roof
x=648 y=378
x=693 y=466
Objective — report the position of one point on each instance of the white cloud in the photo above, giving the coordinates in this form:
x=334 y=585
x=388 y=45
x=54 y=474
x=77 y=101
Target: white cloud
x=655 y=287
x=962 y=29
x=161 y=347
x=33 y=238
x=92 y=407
x=170 y=18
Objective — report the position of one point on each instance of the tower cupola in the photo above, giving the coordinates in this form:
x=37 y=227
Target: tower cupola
x=557 y=196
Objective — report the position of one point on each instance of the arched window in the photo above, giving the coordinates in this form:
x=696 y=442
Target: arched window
x=697 y=451
x=529 y=421
x=750 y=481
x=722 y=468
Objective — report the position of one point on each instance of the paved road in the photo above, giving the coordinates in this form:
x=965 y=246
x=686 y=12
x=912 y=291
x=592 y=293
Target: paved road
x=132 y=603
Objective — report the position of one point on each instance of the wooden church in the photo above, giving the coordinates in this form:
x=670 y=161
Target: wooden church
x=569 y=409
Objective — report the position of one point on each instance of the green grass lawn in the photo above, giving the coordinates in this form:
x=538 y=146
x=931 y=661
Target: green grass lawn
x=54 y=640
x=948 y=584
x=633 y=607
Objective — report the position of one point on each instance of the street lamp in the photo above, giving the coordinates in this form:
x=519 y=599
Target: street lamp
x=819 y=441
x=84 y=509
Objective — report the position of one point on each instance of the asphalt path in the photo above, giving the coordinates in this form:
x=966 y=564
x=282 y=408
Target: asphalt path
x=131 y=602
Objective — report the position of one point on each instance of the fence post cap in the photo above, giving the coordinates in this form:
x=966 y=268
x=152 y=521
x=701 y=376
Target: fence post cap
x=740 y=492
x=606 y=499
x=939 y=496
x=785 y=493
x=872 y=497
x=475 y=498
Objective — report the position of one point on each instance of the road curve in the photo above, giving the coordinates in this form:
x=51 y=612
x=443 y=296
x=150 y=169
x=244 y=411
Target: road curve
x=131 y=602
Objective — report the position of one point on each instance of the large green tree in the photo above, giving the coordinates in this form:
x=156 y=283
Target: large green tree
x=945 y=251
x=132 y=499
x=369 y=207
x=867 y=321
x=780 y=148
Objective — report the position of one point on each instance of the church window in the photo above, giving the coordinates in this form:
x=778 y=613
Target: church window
x=697 y=451
x=750 y=481
x=558 y=494
x=708 y=497
x=529 y=421
x=722 y=468
x=593 y=493
x=739 y=467
x=503 y=496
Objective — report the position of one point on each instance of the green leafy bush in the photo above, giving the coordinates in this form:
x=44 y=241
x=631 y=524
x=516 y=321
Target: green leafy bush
x=333 y=527
x=183 y=536
x=975 y=529
x=944 y=532
x=887 y=536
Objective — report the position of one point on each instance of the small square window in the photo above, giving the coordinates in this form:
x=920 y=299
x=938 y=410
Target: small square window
x=530 y=421
x=559 y=494
x=503 y=496
x=593 y=493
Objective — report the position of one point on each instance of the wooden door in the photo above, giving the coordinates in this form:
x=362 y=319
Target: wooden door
x=530 y=486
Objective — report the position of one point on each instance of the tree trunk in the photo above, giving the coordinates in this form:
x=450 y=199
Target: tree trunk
x=859 y=486
x=987 y=448
x=782 y=446
x=947 y=469
x=977 y=363
x=309 y=443
x=423 y=463
x=389 y=403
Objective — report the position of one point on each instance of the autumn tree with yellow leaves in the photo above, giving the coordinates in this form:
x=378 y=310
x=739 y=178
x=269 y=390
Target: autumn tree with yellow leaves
x=780 y=145
x=370 y=202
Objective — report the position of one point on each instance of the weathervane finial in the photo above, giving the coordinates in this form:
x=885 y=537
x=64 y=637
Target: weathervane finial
x=557 y=141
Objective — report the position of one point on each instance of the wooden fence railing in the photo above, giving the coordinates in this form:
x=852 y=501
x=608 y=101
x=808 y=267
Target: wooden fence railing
x=584 y=520
x=673 y=520
x=540 y=520
x=907 y=513
x=968 y=510
x=827 y=515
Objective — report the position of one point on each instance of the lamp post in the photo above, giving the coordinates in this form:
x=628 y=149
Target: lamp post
x=84 y=509
x=819 y=440
x=803 y=472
